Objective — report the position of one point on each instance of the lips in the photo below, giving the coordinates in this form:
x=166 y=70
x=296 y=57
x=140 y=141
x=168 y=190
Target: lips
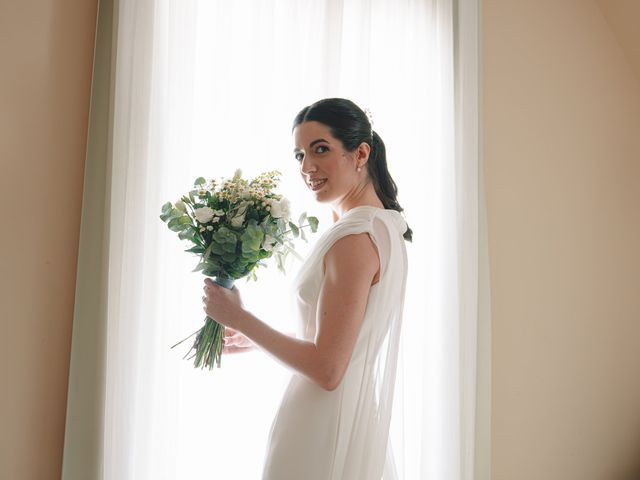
x=316 y=184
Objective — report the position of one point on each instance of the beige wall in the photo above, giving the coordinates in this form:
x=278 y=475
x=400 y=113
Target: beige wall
x=46 y=50
x=562 y=167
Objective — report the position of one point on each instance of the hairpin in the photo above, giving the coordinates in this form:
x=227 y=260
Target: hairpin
x=367 y=112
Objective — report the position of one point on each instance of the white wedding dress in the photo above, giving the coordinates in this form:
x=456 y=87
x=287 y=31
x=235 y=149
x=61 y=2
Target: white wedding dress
x=343 y=434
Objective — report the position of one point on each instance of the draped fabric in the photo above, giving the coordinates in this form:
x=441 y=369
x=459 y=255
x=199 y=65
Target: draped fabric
x=189 y=88
x=344 y=433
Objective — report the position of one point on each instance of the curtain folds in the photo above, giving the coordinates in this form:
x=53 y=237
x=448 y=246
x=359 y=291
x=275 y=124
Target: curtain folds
x=183 y=89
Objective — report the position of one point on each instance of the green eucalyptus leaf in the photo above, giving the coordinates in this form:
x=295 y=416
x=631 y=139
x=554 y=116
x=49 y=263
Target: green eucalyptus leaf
x=200 y=266
x=207 y=251
x=216 y=248
x=313 y=222
x=166 y=208
x=200 y=181
x=252 y=239
x=196 y=249
x=175 y=225
x=179 y=224
x=188 y=234
x=211 y=271
x=224 y=235
x=294 y=229
x=169 y=213
x=229 y=257
x=279 y=262
x=266 y=221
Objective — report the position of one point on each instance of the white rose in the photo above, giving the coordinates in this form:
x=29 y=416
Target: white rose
x=280 y=208
x=203 y=214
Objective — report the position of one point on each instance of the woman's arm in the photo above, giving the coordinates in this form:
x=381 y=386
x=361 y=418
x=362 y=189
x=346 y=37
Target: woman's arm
x=237 y=342
x=298 y=354
x=350 y=266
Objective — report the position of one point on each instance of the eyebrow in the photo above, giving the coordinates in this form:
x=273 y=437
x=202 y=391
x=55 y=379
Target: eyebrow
x=312 y=143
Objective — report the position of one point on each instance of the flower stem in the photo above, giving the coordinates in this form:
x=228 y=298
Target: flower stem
x=307 y=225
x=209 y=338
x=187 y=337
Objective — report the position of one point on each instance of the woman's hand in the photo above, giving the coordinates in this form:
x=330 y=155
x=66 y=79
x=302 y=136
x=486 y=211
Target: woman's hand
x=236 y=342
x=223 y=305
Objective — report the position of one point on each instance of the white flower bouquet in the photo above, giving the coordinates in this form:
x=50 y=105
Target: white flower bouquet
x=232 y=226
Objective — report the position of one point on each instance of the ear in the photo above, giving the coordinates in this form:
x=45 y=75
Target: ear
x=362 y=153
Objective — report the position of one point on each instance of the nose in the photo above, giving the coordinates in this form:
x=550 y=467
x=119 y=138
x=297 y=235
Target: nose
x=307 y=165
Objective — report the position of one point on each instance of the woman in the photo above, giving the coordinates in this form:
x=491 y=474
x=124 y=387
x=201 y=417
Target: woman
x=333 y=421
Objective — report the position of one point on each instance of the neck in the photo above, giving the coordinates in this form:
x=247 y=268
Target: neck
x=367 y=196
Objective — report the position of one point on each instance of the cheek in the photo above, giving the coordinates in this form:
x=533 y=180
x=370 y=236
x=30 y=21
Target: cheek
x=336 y=166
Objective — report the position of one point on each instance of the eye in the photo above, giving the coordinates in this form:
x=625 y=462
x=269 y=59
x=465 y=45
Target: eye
x=322 y=149
x=298 y=156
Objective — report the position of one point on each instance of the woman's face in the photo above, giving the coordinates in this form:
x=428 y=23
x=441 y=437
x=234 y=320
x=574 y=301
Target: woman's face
x=323 y=157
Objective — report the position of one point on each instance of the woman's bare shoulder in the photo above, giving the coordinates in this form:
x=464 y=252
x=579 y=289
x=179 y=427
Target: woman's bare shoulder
x=353 y=254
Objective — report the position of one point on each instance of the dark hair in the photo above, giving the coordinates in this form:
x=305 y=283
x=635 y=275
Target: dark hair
x=348 y=123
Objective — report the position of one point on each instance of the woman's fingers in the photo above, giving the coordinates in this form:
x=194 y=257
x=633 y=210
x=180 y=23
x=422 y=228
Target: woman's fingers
x=229 y=334
x=235 y=349
x=236 y=339
x=233 y=338
x=229 y=331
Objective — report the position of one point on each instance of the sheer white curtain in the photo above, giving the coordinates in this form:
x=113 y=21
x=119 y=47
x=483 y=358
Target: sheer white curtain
x=199 y=88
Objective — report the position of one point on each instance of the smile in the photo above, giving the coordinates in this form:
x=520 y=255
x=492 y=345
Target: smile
x=316 y=185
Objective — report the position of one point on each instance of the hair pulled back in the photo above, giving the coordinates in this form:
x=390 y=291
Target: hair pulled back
x=349 y=123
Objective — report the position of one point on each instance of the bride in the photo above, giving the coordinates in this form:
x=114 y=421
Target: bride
x=333 y=420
